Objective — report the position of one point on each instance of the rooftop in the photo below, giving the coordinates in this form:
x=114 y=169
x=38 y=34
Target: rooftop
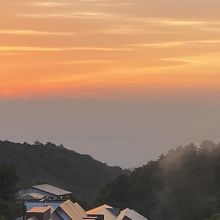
x=38 y=209
x=97 y=210
x=73 y=210
x=130 y=214
x=52 y=190
x=32 y=196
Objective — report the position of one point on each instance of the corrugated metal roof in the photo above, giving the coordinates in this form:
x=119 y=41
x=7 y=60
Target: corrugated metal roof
x=52 y=190
x=73 y=210
x=38 y=210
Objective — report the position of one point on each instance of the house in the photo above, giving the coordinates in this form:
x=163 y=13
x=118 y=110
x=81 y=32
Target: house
x=70 y=211
x=106 y=212
x=46 y=202
x=32 y=196
x=38 y=213
x=54 y=210
x=67 y=210
x=44 y=191
x=53 y=204
x=129 y=214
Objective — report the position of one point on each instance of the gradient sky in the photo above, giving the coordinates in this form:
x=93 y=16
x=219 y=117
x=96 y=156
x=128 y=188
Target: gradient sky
x=122 y=80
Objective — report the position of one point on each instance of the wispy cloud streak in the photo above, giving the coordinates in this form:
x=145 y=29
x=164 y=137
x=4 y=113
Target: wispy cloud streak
x=59 y=49
x=35 y=32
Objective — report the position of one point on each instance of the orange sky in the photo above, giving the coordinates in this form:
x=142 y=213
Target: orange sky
x=83 y=47
x=122 y=80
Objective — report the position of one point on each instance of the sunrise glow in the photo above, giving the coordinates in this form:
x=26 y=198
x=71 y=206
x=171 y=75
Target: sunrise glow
x=84 y=47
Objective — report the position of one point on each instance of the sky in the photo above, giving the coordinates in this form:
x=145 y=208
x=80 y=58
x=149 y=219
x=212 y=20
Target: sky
x=123 y=81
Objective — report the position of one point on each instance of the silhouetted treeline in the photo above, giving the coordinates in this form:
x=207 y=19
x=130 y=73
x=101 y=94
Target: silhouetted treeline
x=9 y=208
x=184 y=184
x=47 y=163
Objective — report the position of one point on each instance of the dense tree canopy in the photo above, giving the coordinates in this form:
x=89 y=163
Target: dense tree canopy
x=9 y=209
x=214 y=217
x=47 y=163
x=8 y=180
x=181 y=185
x=184 y=184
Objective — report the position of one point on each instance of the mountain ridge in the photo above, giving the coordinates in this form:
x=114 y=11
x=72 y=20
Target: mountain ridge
x=48 y=163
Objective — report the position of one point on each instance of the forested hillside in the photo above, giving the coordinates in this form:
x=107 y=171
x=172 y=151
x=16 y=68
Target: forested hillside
x=9 y=208
x=48 y=163
x=184 y=184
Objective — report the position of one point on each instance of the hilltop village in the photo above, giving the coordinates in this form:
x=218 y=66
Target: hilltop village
x=46 y=202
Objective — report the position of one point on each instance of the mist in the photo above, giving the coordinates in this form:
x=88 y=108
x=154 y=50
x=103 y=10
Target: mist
x=126 y=132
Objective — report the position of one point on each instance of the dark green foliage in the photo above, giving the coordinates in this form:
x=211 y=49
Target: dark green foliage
x=55 y=165
x=182 y=185
x=9 y=209
x=215 y=217
x=2 y=217
x=8 y=180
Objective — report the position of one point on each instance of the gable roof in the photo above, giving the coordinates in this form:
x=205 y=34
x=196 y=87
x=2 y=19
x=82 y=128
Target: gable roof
x=131 y=214
x=99 y=209
x=107 y=211
x=111 y=213
x=73 y=210
x=52 y=190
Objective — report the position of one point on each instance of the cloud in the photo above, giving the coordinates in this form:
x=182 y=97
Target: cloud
x=170 y=44
x=47 y=4
x=58 y=49
x=159 y=44
x=96 y=61
x=72 y=15
x=176 y=22
x=34 y=32
x=201 y=60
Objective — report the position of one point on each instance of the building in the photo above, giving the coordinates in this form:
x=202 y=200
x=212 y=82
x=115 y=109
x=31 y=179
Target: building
x=129 y=214
x=46 y=202
x=38 y=213
x=54 y=210
x=31 y=196
x=44 y=191
x=106 y=212
x=70 y=211
x=67 y=210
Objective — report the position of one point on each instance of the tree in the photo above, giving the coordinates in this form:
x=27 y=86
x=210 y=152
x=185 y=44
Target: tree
x=183 y=184
x=2 y=217
x=214 y=217
x=9 y=208
x=8 y=180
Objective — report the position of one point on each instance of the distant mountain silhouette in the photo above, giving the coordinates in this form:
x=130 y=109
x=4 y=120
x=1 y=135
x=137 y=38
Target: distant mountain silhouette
x=56 y=165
